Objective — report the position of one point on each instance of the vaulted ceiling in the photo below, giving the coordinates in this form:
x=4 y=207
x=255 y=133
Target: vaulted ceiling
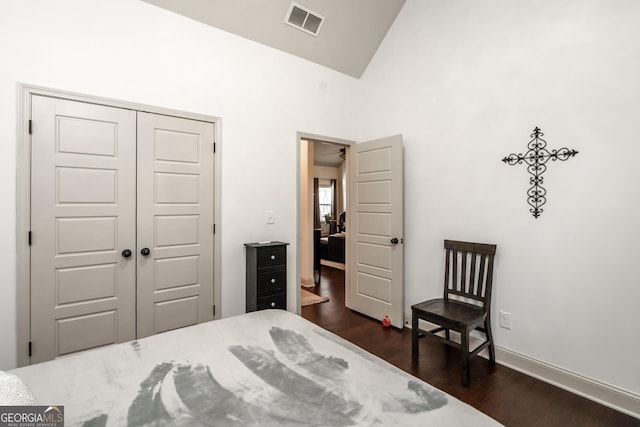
x=349 y=36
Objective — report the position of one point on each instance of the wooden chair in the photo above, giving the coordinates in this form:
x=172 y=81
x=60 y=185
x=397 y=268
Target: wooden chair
x=466 y=305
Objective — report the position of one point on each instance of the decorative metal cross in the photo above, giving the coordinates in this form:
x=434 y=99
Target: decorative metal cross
x=536 y=159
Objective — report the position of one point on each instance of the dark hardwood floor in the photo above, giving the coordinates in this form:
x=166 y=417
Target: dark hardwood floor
x=510 y=397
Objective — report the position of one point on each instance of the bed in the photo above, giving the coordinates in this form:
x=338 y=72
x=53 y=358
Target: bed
x=262 y=368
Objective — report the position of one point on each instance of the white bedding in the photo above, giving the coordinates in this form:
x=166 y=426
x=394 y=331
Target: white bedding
x=14 y=392
x=263 y=368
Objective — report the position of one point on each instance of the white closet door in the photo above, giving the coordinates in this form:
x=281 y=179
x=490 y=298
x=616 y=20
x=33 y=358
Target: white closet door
x=82 y=218
x=175 y=223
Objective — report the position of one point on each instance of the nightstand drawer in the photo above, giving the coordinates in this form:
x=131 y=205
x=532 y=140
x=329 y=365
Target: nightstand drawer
x=271 y=256
x=273 y=301
x=271 y=282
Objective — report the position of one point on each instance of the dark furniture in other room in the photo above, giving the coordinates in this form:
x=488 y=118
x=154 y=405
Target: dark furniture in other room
x=317 y=232
x=469 y=276
x=332 y=247
x=333 y=226
x=266 y=275
x=342 y=221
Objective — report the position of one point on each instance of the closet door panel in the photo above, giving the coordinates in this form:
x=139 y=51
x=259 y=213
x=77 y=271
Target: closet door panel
x=175 y=222
x=83 y=199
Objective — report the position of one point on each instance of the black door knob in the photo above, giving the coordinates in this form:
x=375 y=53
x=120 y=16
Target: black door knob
x=394 y=240
x=126 y=253
x=145 y=251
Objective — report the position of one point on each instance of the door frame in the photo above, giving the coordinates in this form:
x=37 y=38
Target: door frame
x=23 y=197
x=321 y=138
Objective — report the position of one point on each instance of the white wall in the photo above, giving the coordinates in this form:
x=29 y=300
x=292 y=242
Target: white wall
x=307 y=263
x=326 y=172
x=466 y=81
x=130 y=50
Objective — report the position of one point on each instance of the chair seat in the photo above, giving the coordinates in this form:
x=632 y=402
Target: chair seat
x=454 y=314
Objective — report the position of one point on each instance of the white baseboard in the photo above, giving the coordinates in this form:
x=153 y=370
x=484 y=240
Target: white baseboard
x=605 y=394
x=608 y=395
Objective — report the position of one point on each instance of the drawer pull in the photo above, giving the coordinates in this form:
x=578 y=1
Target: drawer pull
x=273 y=304
x=273 y=280
x=273 y=257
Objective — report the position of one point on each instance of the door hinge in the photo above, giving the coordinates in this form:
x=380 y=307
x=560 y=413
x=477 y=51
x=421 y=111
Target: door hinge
x=214 y=148
x=214 y=229
x=30 y=126
x=29 y=237
x=214 y=310
x=30 y=348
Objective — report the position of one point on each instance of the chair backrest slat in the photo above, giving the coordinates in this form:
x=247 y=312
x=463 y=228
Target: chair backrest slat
x=474 y=285
x=446 y=271
x=469 y=270
x=464 y=283
x=481 y=281
x=455 y=283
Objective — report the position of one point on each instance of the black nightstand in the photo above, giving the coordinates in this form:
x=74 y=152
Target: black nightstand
x=266 y=275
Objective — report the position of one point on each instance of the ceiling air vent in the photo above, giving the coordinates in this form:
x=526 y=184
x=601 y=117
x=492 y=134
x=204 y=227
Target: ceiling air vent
x=304 y=19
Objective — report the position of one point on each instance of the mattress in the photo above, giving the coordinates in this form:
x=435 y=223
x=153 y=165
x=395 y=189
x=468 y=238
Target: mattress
x=262 y=368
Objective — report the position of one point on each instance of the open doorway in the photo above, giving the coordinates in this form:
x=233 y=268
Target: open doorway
x=374 y=283
x=322 y=219
x=329 y=204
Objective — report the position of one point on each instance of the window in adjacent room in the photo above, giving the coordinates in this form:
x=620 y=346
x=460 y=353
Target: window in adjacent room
x=325 y=199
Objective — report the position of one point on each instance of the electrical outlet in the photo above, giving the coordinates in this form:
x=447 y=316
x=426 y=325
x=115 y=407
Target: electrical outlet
x=269 y=216
x=505 y=320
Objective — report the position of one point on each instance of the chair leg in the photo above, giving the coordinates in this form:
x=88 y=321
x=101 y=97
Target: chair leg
x=446 y=334
x=487 y=329
x=414 y=337
x=464 y=350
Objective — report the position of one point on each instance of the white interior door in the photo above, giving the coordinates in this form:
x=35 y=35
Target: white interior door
x=376 y=229
x=175 y=223
x=82 y=218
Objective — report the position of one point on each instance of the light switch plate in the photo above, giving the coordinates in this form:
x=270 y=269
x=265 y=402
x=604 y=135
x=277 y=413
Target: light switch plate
x=269 y=216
